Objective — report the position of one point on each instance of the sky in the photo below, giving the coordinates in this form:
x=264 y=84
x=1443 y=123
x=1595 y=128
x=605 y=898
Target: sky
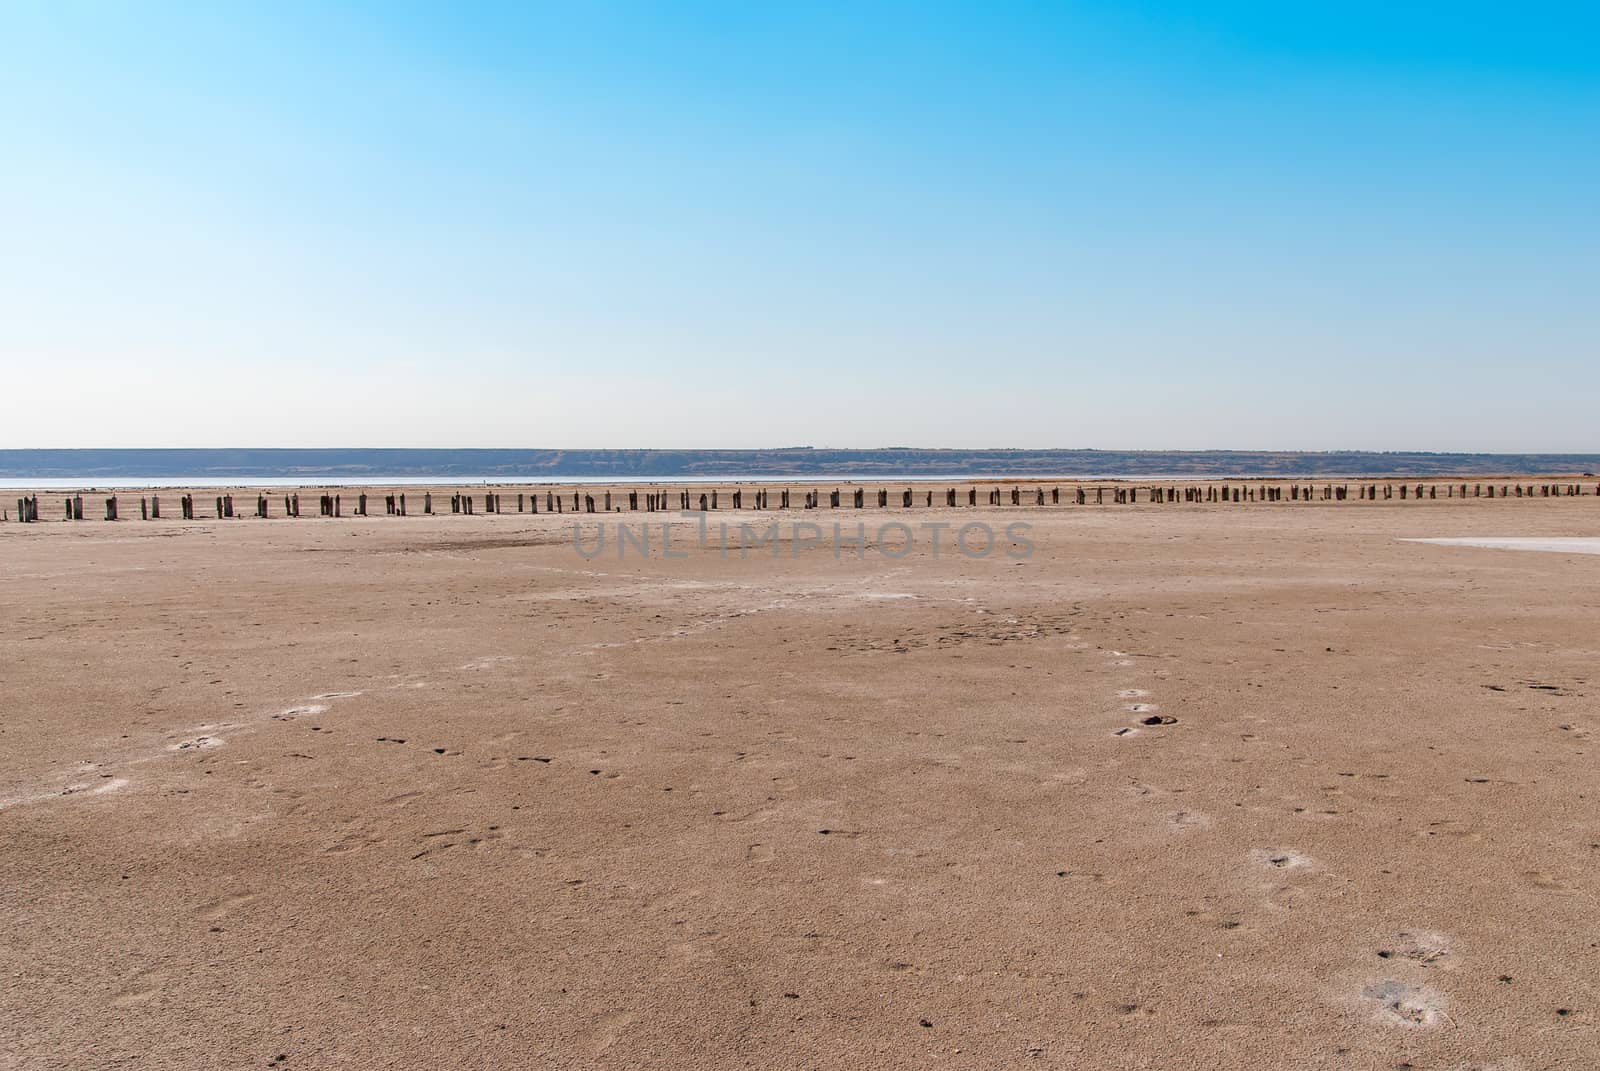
x=681 y=225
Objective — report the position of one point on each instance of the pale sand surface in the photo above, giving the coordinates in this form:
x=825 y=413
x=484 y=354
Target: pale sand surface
x=436 y=792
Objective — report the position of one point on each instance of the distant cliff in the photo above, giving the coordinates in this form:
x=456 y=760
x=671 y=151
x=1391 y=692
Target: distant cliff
x=532 y=465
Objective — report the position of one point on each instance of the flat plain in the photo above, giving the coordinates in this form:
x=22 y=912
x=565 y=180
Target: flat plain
x=1189 y=786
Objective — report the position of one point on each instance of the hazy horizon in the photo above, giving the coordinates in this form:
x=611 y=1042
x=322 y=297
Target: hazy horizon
x=716 y=226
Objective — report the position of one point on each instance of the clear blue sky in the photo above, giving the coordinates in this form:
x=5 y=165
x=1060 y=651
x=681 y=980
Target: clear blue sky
x=680 y=225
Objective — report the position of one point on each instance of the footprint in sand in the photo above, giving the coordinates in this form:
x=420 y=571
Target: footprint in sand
x=759 y=853
x=1188 y=821
x=1425 y=948
x=1281 y=859
x=1544 y=879
x=305 y=709
x=355 y=839
x=1401 y=1004
x=198 y=743
x=701 y=948
x=140 y=988
x=608 y=1030
x=672 y=901
x=226 y=905
x=434 y=842
x=486 y=661
x=77 y=788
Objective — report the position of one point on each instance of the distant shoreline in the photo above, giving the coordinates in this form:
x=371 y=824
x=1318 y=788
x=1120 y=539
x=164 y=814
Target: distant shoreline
x=818 y=482
x=119 y=468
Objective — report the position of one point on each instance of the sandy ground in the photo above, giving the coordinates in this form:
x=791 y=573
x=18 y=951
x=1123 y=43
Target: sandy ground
x=438 y=792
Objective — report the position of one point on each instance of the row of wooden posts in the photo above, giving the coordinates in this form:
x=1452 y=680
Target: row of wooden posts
x=332 y=505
